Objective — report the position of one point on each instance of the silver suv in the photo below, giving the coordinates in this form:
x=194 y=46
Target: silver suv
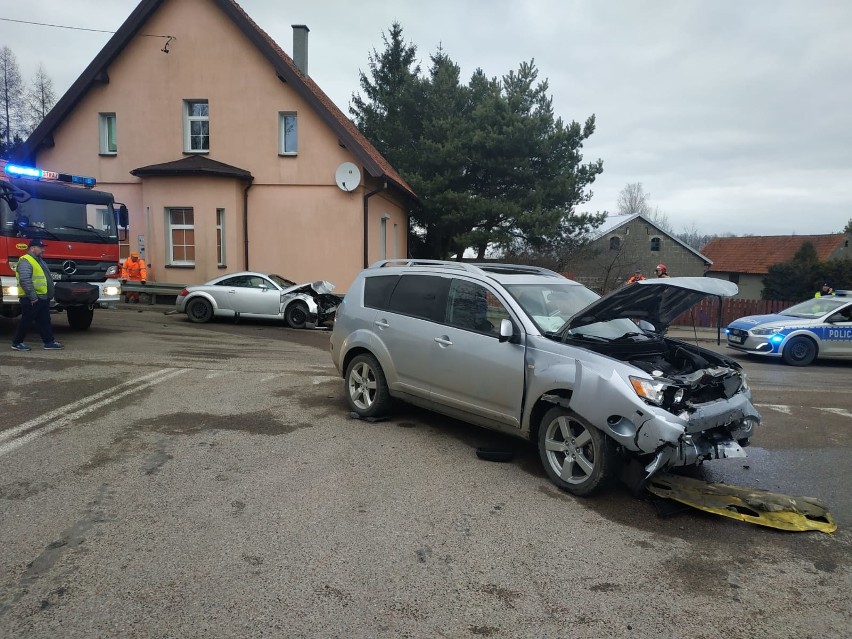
x=593 y=382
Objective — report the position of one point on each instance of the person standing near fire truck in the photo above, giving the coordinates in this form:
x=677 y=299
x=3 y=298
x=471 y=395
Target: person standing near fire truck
x=35 y=290
x=133 y=269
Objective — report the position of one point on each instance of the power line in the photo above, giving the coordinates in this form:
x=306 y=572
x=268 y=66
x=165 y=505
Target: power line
x=63 y=26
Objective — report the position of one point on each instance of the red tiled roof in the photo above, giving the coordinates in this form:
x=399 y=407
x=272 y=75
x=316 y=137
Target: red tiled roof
x=757 y=253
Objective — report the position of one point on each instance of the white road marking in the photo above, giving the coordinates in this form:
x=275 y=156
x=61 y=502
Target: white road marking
x=61 y=416
x=837 y=411
x=777 y=407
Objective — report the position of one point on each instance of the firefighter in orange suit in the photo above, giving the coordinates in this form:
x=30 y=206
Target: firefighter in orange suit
x=133 y=269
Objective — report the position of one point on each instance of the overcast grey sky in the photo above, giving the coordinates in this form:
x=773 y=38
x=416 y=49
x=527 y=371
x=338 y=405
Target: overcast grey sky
x=736 y=116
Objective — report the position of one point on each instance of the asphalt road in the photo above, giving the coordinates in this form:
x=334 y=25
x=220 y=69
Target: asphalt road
x=163 y=479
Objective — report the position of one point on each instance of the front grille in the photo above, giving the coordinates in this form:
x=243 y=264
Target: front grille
x=78 y=270
x=738 y=332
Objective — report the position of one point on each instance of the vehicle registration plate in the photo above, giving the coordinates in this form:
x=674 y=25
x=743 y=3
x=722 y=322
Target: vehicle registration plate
x=56 y=276
x=736 y=339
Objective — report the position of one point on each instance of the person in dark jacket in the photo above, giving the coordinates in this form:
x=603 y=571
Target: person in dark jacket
x=35 y=290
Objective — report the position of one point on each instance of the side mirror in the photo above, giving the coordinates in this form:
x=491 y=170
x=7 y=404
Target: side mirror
x=122 y=216
x=506 y=330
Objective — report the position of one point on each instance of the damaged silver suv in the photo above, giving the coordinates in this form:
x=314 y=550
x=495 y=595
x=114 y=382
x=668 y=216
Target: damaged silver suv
x=593 y=382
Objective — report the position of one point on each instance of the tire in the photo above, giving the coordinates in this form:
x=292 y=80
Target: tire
x=576 y=458
x=296 y=315
x=800 y=351
x=199 y=310
x=366 y=388
x=80 y=317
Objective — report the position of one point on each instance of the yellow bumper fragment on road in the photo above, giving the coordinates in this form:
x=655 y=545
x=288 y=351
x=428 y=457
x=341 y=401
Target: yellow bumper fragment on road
x=751 y=505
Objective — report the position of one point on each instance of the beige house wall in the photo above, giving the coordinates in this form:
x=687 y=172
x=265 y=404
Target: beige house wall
x=300 y=224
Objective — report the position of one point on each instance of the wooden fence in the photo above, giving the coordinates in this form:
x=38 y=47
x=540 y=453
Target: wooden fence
x=707 y=311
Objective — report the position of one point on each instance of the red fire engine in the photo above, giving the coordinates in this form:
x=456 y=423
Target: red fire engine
x=80 y=227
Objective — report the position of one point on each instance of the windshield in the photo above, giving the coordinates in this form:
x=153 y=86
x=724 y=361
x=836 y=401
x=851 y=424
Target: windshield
x=550 y=305
x=282 y=282
x=55 y=220
x=816 y=307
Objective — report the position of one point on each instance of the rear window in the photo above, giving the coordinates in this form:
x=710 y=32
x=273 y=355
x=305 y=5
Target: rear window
x=377 y=290
x=417 y=295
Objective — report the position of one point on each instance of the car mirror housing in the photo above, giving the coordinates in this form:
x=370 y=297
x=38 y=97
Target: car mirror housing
x=506 y=330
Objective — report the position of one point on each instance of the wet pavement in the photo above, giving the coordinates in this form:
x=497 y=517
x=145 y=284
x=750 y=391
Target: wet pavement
x=183 y=480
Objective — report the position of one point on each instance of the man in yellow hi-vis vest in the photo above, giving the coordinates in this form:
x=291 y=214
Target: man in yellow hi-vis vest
x=35 y=290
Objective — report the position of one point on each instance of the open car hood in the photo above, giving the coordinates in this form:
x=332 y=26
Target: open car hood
x=657 y=301
x=320 y=287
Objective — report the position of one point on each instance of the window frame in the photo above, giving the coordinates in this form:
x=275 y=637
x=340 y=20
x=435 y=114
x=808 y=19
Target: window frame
x=104 y=120
x=188 y=120
x=614 y=243
x=220 y=238
x=658 y=242
x=283 y=149
x=170 y=247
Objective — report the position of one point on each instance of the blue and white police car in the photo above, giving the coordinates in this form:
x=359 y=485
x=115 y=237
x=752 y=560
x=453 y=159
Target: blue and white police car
x=820 y=327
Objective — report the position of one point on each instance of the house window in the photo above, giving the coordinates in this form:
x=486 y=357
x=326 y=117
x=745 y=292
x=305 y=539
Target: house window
x=106 y=128
x=734 y=277
x=196 y=126
x=288 y=134
x=220 y=237
x=383 y=242
x=180 y=225
x=655 y=244
x=614 y=243
x=396 y=240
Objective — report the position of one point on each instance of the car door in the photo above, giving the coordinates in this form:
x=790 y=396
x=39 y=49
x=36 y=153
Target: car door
x=472 y=370
x=837 y=334
x=403 y=327
x=225 y=292
x=259 y=297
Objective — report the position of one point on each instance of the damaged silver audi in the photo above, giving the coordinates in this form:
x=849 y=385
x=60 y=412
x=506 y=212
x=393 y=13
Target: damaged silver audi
x=592 y=382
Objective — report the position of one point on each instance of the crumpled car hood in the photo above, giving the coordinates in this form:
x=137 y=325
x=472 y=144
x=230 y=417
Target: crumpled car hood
x=657 y=301
x=320 y=287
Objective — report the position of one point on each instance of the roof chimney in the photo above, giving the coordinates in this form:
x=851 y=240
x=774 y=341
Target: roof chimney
x=300 y=47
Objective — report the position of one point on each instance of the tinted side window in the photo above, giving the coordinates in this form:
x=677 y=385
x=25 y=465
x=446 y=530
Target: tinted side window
x=377 y=290
x=473 y=307
x=417 y=295
x=239 y=280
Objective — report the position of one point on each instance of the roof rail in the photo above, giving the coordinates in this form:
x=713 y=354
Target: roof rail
x=516 y=268
x=462 y=266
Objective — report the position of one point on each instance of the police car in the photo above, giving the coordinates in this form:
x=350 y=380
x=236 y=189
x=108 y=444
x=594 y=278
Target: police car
x=820 y=327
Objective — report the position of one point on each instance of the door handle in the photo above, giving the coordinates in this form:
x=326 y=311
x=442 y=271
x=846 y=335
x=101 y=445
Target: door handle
x=444 y=341
x=382 y=323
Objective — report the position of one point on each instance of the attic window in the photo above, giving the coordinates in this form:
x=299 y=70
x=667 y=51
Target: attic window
x=288 y=134
x=655 y=244
x=196 y=126
x=614 y=243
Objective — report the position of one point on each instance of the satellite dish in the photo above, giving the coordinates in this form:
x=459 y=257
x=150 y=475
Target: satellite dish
x=347 y=176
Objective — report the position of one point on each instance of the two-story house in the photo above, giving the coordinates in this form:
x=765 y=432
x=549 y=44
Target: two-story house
x=624 y=244
x=227 y=154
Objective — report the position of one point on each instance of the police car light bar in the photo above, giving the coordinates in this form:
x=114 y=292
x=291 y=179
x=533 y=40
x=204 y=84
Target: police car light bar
x=17 y=170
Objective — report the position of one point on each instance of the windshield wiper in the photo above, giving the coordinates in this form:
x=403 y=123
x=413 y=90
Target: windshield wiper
x=592 y=338
x=79 y=228
x=41 y=230
x=629 y=335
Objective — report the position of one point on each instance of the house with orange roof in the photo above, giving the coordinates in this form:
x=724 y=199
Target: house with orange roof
x=227 y=154
x=746 y=260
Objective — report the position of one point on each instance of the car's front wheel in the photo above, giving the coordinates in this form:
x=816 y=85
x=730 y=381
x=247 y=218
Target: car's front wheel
x=199 y=310
x=297 y=315
x=577 y=458
x=366 y=388
x=800 y=351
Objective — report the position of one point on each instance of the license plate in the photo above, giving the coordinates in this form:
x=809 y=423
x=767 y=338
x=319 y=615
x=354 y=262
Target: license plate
x=736 y=339
x=56 y=276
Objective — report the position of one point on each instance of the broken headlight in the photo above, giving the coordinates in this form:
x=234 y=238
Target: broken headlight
x=654 y=391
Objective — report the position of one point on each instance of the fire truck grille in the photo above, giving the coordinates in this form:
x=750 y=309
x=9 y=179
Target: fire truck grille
x=66 y=270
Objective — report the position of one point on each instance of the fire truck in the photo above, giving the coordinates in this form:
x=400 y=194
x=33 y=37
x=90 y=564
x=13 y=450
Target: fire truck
x=80 y=228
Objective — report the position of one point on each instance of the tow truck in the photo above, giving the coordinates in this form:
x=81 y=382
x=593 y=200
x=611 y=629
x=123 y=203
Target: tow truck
x=80 y=227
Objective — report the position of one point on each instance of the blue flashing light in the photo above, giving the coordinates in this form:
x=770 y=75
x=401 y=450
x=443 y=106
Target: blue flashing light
x=24 y=171
x=85 y=181
x=727 y=331
x=776 y=339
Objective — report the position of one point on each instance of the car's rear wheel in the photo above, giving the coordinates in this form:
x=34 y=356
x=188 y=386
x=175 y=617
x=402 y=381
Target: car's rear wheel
x=366 y=388
x=800 y=351
x=577 y=458
x=297 y=315
x=199 y=310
